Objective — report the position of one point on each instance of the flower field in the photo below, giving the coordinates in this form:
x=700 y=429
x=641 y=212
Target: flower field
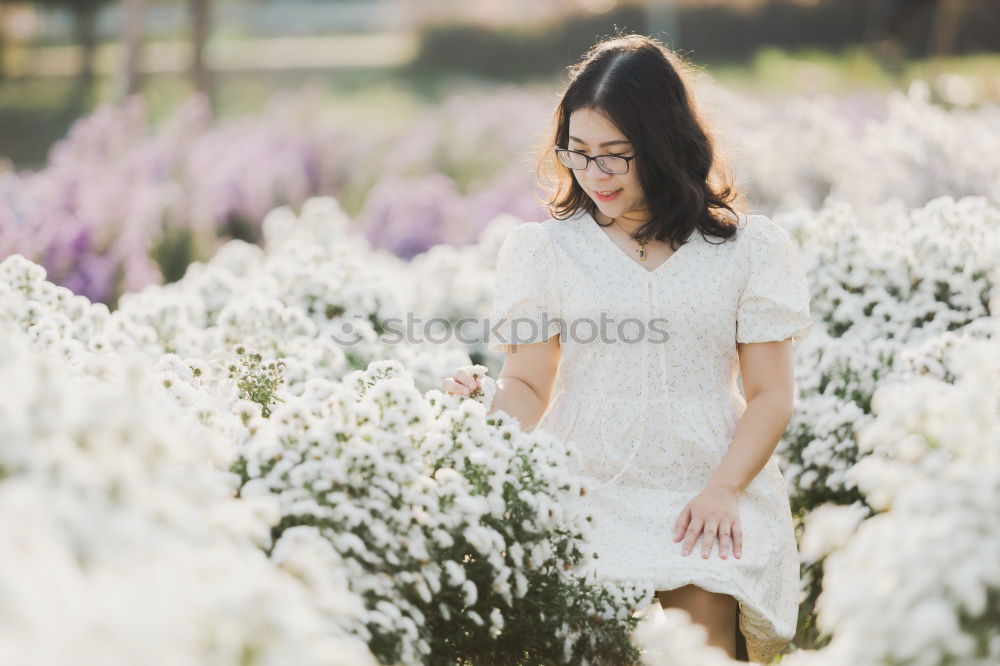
x=167 y=194
x=236 y=466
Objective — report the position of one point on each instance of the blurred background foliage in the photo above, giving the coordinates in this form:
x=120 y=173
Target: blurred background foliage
x=59 y=59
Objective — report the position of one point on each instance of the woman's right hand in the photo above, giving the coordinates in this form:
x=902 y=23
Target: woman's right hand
x=461 y=383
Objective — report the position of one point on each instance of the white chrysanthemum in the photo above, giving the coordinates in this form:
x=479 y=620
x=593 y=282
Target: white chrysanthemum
x=111 y=493
x=913 y=584
x=828 y=528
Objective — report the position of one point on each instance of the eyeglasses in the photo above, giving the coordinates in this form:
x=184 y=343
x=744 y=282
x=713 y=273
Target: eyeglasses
x=612 y=164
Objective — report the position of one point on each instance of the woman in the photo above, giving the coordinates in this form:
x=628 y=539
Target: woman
x=648 y=293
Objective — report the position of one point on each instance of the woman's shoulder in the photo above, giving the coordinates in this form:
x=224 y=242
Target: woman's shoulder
x=552 y=229
x=756 y=230
x=767 y=246
x=569 y=228
x=757 y=225
x=536 y=238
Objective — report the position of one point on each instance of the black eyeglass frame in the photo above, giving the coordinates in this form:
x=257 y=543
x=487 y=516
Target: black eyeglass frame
x=628 y=161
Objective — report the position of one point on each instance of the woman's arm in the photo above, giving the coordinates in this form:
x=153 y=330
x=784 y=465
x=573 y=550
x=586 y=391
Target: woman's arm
x=769 y=388
x=524 y=387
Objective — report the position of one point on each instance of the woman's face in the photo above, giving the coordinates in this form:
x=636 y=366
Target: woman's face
x=593 y=134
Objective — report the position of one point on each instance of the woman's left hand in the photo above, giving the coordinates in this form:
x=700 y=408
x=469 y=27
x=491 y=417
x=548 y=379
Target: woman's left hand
x=716 y=511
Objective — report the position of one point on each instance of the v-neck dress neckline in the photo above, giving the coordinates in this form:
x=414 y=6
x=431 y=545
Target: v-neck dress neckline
x=592 y=221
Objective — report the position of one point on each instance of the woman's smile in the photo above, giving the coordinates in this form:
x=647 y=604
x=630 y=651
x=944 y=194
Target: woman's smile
x=608 y=197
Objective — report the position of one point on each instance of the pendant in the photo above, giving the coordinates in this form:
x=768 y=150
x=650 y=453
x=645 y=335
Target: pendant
x=642 y=254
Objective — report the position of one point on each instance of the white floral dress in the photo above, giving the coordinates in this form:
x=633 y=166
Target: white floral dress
x=649 y=417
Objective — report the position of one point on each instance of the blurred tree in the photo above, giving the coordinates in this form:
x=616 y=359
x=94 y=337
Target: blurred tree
x=661 y=21
x=200 y=12
x=85 y=32
x=3 y=41
x=133 y=14
x=944 y=29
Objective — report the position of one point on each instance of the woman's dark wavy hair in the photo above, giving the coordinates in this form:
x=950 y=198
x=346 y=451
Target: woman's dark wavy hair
x=638 y=83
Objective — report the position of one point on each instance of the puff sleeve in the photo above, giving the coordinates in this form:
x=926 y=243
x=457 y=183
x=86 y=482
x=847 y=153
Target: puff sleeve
x=774 y=301
x=525 y=309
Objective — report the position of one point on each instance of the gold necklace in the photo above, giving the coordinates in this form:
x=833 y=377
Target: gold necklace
x=642 y=244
